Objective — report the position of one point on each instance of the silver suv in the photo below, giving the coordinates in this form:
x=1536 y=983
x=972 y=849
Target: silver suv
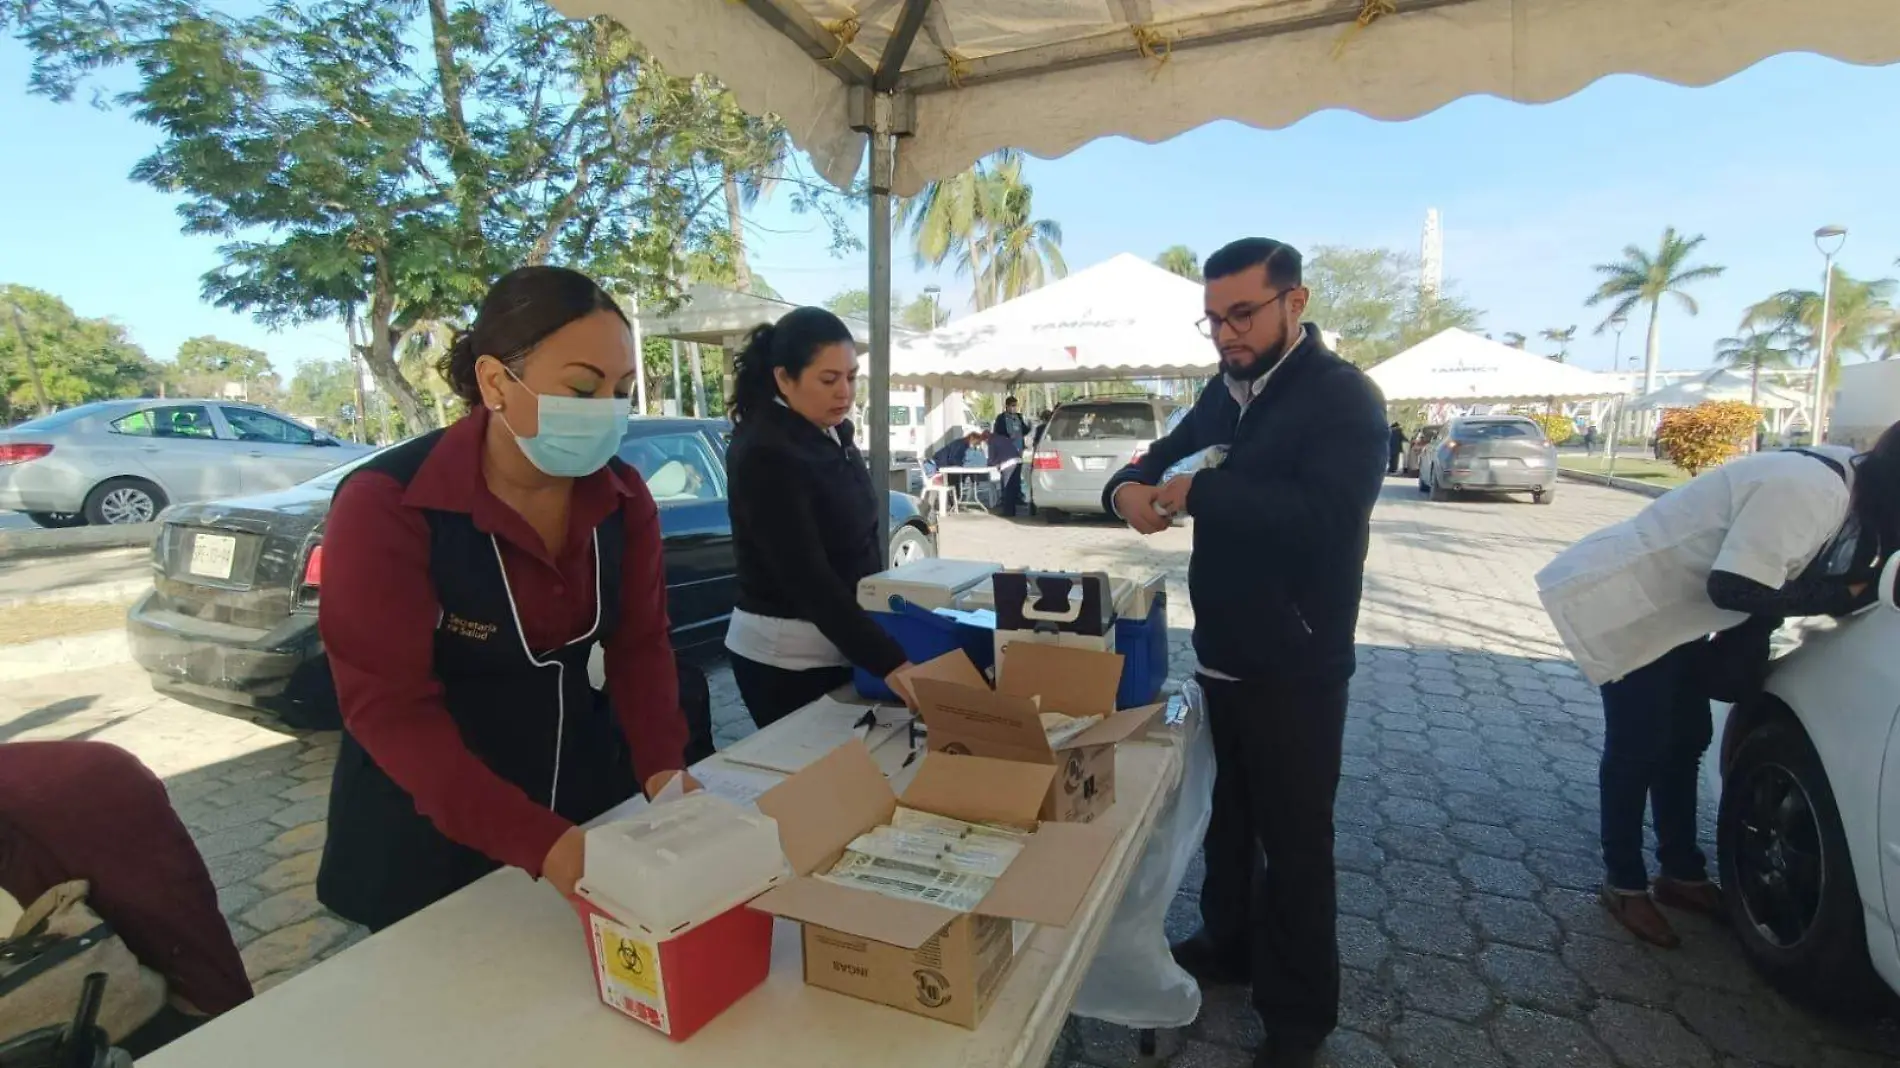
x=1086 y=442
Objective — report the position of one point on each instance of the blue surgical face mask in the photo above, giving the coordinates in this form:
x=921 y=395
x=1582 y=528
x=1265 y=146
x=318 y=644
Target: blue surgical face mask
x=577 y=435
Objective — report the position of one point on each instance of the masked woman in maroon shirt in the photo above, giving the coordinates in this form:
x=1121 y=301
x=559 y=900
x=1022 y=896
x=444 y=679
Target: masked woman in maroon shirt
x=468 y=575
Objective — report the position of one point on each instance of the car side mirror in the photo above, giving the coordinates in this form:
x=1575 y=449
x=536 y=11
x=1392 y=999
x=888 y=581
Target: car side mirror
x=1887 y=576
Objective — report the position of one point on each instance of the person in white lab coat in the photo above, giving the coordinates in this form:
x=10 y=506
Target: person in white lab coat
x=1764 y=537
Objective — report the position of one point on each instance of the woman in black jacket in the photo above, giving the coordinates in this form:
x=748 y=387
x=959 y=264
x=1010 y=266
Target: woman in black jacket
x=804 y=520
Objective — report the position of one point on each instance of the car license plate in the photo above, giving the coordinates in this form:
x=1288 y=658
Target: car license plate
x=1094 y=463
x=1536 y=461
x=211 y=555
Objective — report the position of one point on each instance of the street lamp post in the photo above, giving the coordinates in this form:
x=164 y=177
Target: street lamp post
x=1837 y=235
x=1617 y=323
x=933 y=292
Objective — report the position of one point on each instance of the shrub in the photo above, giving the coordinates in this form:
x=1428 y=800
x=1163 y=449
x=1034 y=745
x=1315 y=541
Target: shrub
x=1558 y=428
x=1696 y=439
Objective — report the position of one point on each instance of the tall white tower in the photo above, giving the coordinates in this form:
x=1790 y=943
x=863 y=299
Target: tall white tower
x=1431 y=256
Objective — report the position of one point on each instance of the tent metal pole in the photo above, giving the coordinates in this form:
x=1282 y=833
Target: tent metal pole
x=883 y=152
x=639 y=357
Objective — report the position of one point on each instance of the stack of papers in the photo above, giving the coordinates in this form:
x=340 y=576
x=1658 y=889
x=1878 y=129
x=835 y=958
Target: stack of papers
x=1061 y=728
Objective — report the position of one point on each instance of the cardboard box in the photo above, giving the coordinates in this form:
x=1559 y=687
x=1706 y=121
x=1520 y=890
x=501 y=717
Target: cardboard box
x=908 y=954
x=965 y=716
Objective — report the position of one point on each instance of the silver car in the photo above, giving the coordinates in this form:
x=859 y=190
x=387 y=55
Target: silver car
x=1086 y=442
x=1491 y=454
x=115 y=462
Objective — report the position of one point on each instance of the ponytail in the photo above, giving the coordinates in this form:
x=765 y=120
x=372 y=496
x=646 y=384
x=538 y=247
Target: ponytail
x=788 y=345
x=752 y=382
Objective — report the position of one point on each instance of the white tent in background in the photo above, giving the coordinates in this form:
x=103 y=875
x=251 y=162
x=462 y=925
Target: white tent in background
x=953 y=80
x=1721 y=384
x=1459 y=367
x=1121 y=318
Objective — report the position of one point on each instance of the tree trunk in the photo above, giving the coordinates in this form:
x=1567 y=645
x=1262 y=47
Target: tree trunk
x=380 y=353
x=32 y=365
x=735 y=222
x=461 y=150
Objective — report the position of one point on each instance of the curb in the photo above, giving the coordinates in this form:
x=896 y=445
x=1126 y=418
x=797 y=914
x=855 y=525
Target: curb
x=1627 y=485
x=96 y=593
x=19 y=544
x=53 y=656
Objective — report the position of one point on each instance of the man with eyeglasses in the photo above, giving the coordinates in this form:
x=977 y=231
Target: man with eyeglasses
x=1280 y=532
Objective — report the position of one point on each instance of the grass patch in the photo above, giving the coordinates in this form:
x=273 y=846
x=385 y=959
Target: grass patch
x=1637 y=468
x=59 y=619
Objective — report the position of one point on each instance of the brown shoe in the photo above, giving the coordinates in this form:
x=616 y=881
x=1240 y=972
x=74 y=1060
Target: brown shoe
x=1638 y=913
x=1703 y=898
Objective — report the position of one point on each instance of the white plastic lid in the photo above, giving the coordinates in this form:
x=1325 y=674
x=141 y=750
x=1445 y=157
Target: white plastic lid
x=678 y=863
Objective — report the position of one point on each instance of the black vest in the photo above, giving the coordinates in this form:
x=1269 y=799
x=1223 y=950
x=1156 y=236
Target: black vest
x=532 y=717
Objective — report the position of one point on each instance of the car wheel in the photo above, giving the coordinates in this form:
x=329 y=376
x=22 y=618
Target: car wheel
x=57 y=520
x=119 y=501
x=1544 y=496
x=1438 y=491
x=1424 y=486
x=1792 y=896
x=909 y=546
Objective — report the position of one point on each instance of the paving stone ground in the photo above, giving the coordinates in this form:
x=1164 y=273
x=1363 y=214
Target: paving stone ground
x=1466 y=815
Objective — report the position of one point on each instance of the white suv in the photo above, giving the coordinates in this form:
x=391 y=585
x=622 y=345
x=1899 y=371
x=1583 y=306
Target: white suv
x=1808 y=830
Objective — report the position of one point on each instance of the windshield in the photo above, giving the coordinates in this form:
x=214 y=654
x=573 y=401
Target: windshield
x=1497 y=431
x=57 y=419
x=333 y=478
x=1103 y=422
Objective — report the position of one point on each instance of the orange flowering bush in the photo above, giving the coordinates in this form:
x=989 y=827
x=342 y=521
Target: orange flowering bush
x=1711 y=433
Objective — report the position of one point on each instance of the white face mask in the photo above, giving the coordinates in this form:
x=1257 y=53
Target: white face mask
x=576 y=436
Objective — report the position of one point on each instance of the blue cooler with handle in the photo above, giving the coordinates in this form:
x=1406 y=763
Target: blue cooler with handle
x=916 y=604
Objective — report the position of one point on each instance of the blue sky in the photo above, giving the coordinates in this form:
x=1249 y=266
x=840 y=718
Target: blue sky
x=1531 y=198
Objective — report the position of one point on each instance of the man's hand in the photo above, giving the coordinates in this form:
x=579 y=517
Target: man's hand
x=1173 y=497
x=1135 y=503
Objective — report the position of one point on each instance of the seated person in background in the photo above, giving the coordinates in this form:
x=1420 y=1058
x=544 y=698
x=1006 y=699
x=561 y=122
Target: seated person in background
x=976 y=451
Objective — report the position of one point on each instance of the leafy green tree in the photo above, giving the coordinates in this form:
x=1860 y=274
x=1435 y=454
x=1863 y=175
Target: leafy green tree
x=381 y=163
x=1372 y=300
x=205 y=365
x=1644 y=278
x=1756 y=352
x=1181 y=260
x=52 y=358
x=324 y=391
x=1514 y=339
x=1859 y=316
x=1561 y=337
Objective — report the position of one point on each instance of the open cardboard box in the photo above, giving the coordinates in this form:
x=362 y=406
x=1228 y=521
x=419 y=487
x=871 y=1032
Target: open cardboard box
x=908 y=954
x=965 y=716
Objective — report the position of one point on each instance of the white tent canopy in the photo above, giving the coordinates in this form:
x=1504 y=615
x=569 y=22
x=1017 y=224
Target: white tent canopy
x=1720 y=384
x=1121 y=318
x=1052 y=75
x=957 y=79
x=1460 y=367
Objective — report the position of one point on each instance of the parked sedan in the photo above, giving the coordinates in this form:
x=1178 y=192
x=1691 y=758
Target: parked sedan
x=1086 y=442
x=124 y=461
x=1493 y=454
x=1808 y=830
x=233 y=610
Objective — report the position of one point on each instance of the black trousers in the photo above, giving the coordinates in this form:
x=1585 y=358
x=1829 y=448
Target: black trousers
x=770 y=694
x=1270 y=889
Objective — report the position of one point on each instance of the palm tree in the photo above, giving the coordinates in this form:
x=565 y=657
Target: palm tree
x=1756 y=351
x=1181 y=260
x=750 y=167
x=1514 y=339
x=1562 y=339
x=982 y=220
x=1640 y=278
x=1860 y=317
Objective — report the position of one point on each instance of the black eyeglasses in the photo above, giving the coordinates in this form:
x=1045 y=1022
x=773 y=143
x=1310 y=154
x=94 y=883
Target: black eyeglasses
x=1241 y=319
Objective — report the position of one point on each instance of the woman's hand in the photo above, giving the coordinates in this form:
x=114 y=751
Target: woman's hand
x=660 y=780
x=899 y=682
x=566 y=862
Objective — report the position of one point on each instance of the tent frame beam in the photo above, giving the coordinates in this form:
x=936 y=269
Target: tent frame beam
x=1179 y=35
x=794 y=23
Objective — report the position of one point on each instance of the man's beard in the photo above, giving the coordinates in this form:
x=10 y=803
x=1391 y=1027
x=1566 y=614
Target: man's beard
x=1262 y=363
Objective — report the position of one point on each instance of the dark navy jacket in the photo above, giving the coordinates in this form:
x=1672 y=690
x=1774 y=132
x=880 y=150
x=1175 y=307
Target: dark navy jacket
x=1281 y=526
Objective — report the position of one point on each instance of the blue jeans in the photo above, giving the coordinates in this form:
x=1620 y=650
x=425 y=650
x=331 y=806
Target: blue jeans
x=1656 y=726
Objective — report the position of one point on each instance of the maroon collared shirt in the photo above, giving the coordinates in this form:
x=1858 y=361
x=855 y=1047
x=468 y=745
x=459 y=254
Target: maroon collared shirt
x=379 y=614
